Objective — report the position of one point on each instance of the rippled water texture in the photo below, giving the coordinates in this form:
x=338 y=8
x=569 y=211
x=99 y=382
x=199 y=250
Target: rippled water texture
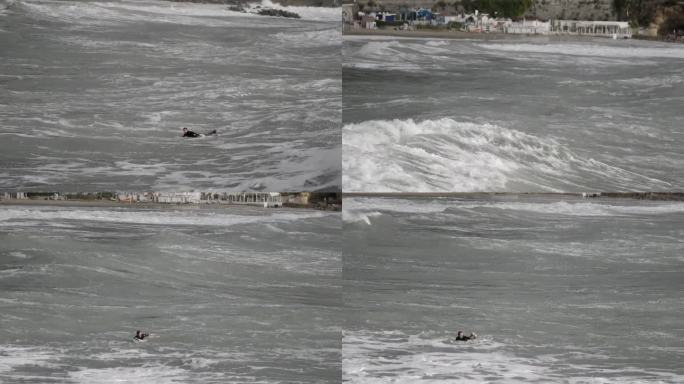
x=93 y=96
x=559 y=291
x=524 y=114
x=240 y=295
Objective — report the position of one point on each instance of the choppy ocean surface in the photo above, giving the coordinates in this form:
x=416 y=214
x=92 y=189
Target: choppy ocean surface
x=242 y=295
x=93 y=95
x=525 y=114
x=562 y=291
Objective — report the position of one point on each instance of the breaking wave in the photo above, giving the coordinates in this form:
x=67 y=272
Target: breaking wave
x=448 y=155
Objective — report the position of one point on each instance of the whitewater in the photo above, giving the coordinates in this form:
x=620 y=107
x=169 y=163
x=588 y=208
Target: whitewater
x=519 y=114
x=243 y=294
x=557 y=288
x=93 y=96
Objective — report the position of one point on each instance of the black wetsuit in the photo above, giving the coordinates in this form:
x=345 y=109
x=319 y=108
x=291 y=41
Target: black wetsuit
x=191 y=134
x=462 y=338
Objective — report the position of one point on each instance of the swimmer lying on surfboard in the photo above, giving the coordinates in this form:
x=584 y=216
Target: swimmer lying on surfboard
x=461 y=337
x=188 y=133
x=140 y=335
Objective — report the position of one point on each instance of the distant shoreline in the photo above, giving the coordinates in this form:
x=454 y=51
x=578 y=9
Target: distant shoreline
x=654 y=196
x=118 y=204
x=459 y=35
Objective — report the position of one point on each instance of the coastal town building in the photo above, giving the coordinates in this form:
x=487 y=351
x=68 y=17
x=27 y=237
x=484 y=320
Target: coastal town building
x=266 y=199
x=13 y=196
x=298 y=199
x=529 y=27
x=616 y=29
x=482 y=23
x=315 y=200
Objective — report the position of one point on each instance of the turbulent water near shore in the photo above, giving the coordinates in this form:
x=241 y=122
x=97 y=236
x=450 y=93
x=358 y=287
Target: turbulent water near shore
x=562 y=291
x=242 y=295
x=523 y=114
x=94 y=94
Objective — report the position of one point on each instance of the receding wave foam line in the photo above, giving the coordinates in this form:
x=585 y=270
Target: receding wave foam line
x=363 y=209
x=10 y=215
x=593 y=50
x=448 y=155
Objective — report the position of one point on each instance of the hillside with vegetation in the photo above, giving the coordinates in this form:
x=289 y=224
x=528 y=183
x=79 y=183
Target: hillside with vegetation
x=654 y=17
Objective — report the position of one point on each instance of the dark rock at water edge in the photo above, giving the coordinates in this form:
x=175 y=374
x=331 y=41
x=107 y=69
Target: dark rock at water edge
x=277 y=12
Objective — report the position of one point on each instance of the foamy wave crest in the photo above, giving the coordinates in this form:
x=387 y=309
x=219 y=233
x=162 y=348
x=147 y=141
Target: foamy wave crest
x=447 y=155
x=97 y=14
x=311 y=38
x=309 y=13
x=594 y=50
x=384 y=55
x=441 y=155
x=351 y=216
x=356 y=209
x=13 y=216
x=185 y=13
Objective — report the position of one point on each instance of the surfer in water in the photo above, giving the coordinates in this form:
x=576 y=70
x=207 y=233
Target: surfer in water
x=140 y=335
x=189 y=133
x=461 y=337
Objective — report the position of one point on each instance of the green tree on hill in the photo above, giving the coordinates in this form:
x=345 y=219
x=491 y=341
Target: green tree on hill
x=640 y=12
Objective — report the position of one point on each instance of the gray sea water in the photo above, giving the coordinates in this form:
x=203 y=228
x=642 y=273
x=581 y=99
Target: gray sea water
x=93 y=95
x=240 y=295
x=515 y=114
x=558 y=290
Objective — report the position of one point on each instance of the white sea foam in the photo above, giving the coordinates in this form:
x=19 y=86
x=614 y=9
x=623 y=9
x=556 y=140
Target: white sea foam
x=326 y=37
x=441 y=155
x=448 y=155
x=19 y=255
x=593 y=50
x=356 y=206
x=369 y=358
x=382 y=357
x=12 y=216
x=147 y=373
x=352 y=216
x=94 y=14
x=360 y=209
x=13 y=356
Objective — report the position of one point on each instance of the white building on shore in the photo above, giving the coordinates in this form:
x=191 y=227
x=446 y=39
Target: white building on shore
x=530 y=27
x=14 y=195
x=266 y=199
x=177 y=197
x=615 y=29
